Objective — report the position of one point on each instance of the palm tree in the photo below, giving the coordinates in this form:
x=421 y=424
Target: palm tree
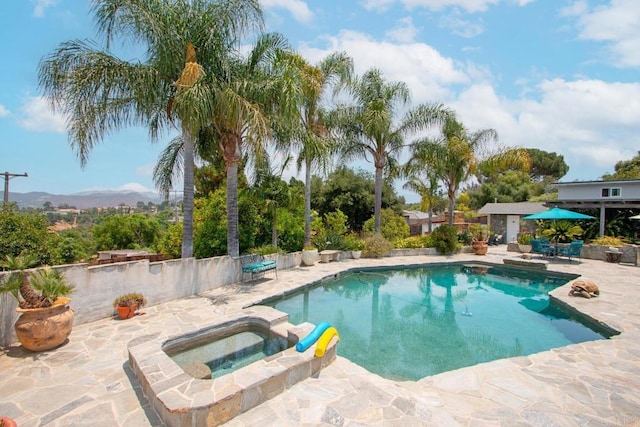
x=252 y=96
x=369 y=127
x=314 y=139
x=456 y=153
x=427 y=187
x=187 y=42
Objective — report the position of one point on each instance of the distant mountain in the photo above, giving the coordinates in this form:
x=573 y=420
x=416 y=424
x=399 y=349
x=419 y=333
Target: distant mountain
x=84 y=200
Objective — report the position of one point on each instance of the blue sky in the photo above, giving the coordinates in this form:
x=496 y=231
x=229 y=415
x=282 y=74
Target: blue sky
x=559 y=75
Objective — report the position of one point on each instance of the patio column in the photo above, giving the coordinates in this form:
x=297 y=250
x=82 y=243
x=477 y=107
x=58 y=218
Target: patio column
x=602 y=211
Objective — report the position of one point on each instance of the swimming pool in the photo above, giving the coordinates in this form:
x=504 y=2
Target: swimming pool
x=409 y=323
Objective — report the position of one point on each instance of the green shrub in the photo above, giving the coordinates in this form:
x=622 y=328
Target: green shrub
x=266 y=250
x=392 y=225
x=414 y=242
x=608 y=241
x=376 y=246
x=353 y=243
x=524 y=238
x=445 y=239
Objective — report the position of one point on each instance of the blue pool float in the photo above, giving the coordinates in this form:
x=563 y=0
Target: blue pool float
x=313 y=336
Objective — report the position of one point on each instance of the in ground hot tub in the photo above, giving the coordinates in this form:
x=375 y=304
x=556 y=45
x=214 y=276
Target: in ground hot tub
x=240 y=382
x=214 y=352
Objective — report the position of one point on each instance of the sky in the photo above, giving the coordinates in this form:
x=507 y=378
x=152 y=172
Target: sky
x=562 y=76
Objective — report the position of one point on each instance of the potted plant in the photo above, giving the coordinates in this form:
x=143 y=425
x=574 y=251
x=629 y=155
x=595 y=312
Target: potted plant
x=355 y=244
x=46 y=319
x=127 y=304
x=7 y=422
x=309 y=255
x=524 y=242
x=480 y=234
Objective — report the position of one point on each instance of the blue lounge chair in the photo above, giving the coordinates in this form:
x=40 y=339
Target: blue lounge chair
x=542 y=247
x=573 y=250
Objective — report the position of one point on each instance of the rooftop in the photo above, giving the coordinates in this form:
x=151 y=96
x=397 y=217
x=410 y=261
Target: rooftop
x=89 y=381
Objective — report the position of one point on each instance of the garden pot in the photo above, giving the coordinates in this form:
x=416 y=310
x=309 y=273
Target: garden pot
x=356 y=254
x=126 y=312
x=480 y=247
x=7 y=422
x=40 y=329
x=309 y=257
x=525 y=249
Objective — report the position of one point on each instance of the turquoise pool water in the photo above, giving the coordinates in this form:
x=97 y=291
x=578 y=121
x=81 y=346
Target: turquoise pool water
x=406 y=324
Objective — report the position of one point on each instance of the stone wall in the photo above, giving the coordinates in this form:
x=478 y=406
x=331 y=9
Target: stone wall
x=97 y=286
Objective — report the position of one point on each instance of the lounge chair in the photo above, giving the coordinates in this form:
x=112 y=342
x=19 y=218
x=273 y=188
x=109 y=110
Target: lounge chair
x=542 y=247
x=573 y=250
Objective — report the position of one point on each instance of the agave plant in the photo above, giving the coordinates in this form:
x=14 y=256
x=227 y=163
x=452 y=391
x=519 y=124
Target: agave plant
x=33 y=290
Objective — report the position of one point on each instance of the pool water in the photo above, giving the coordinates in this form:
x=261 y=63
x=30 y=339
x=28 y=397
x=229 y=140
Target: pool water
x=406 y=324
x=231 y=353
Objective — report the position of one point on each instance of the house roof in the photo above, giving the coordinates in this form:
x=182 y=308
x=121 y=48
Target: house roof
x=415 y=214
x=522 y=208
x=616 y=181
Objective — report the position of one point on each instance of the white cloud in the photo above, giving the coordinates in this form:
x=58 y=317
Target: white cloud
x=297 y=8
x=36 y=115
x=3 y=111
x=460 y=26
x=40 y=6
x=404 y=32
x=577 y=8
x=427 y=73
x=470 y=6
x=137 y=187
x=592 y=123
x=616 y=24
x=378 y=5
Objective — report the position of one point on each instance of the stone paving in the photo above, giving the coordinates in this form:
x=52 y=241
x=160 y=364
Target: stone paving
x=88 y=381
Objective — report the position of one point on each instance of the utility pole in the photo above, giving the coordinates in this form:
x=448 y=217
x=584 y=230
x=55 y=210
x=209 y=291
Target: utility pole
x=7 y=177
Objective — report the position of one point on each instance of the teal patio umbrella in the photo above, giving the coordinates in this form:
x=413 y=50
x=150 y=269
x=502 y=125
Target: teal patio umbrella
x=556 y=213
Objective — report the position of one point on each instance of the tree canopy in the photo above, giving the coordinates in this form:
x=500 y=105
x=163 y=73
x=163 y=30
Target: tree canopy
x=625 y=169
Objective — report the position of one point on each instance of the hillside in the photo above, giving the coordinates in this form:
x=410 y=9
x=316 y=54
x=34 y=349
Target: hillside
x=85 y=200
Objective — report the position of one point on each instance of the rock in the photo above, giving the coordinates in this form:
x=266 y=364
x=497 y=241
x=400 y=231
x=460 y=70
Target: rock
x=199 y=371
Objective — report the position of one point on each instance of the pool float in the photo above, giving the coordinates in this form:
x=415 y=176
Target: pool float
x=313 y=336
x=323 y=342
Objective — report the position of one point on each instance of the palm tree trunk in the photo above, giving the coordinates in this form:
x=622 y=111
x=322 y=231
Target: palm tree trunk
x=378 y=200
x=430 y=223
x=307 y=203
x=452 y=203
x=187 y=200
x=274 y=229
x=233 y=239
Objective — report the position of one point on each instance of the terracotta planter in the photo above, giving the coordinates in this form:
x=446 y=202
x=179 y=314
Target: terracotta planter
x=309 y=257
x=126 y=312
x=480 y=247
x=8 y=422
x=40 y=329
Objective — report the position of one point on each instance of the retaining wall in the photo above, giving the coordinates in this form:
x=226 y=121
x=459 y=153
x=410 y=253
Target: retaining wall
x=159 y=282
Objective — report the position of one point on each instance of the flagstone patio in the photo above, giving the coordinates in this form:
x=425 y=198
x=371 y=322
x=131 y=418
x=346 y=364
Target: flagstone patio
x=89 y=380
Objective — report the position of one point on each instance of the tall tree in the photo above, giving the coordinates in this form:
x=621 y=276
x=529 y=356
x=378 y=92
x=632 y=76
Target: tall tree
x=625 y=169
x=188 y=44
x=456 y=153
x=314 y=140
x=370 y=129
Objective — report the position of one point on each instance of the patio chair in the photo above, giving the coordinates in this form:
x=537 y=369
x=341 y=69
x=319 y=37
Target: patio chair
x=542 y=247
x=573 y=250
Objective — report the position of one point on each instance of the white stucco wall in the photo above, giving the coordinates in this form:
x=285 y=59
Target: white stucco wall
x=97 y=286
